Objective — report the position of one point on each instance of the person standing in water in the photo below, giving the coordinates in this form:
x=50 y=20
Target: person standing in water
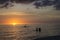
x=38 y=29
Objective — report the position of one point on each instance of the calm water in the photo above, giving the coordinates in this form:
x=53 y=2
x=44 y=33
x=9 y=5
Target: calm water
x=18 y=32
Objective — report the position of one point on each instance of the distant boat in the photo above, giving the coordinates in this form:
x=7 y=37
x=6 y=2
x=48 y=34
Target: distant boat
x=25 y=26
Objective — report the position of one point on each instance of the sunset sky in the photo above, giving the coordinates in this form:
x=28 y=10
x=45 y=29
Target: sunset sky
x=27 y=13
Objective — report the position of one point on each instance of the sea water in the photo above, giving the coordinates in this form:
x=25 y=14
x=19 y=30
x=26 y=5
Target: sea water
x=19 y=32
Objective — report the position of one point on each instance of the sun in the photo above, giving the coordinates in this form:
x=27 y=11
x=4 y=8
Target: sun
x=14 y=24
x=14 y=21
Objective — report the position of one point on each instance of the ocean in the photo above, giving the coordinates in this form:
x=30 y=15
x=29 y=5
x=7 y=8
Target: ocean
x=19 y=32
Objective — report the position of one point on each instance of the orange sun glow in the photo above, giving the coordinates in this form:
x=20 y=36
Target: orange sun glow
x=14 y=21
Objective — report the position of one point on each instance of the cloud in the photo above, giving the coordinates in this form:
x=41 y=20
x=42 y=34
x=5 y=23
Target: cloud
x=45 y=3
x=37 y=3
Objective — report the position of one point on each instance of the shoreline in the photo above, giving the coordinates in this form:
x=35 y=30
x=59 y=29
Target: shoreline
x=57 y=37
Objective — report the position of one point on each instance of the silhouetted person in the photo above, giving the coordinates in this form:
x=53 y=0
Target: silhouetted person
x=39 y=29
x=36 y=29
